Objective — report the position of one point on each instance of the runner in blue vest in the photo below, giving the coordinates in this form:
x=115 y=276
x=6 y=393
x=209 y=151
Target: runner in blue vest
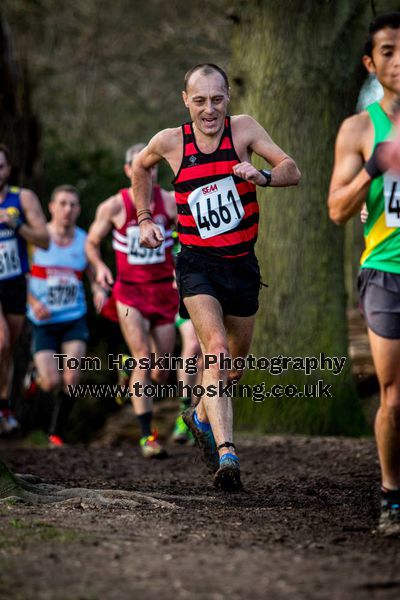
x=57 y=305
x=21 y=221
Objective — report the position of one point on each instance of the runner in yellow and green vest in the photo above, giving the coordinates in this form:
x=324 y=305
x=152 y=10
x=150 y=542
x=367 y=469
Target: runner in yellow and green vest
x=361 y=174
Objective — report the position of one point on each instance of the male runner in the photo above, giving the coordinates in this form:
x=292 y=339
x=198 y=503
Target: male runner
x=359 y=175
x=57 y=305
x=145 y=297
x=217 y=271
x=21 y=221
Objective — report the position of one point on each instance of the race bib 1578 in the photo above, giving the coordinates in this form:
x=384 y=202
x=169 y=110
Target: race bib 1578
x=139 y=255
x=216 y=207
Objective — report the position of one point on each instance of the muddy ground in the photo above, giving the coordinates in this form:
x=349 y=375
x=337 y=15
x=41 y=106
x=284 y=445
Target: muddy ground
x=303 y=527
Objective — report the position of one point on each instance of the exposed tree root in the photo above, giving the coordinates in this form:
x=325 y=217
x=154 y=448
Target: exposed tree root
x=33 y=490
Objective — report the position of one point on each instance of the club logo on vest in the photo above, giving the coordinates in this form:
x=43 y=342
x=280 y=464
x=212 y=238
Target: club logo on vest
x=192 y=159
x=160 y=219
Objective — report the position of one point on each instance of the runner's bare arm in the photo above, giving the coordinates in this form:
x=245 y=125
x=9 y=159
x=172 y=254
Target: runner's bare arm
x=34 y=230
x=159 y=147
x=99 y=296
x=98 y=230
x=39 y=309
x=284 y=169
x=349 y=182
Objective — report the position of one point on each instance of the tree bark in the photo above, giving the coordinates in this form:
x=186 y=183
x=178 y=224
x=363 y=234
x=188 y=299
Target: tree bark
x=297 y=70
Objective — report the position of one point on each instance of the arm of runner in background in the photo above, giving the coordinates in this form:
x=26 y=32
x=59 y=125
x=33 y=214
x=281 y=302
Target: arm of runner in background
x=34 y=230
x=153 y=153
x=350 y=181
x=39 y=309
x=98 y=230
x=99 y=295
x=256 y=139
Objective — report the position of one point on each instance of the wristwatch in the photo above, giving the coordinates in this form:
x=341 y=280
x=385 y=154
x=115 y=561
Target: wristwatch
x=267 y=175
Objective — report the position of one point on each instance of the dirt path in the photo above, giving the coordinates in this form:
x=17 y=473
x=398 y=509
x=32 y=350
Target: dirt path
x=302 y=528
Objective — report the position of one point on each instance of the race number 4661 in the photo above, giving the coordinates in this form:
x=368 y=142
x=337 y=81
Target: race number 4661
x=392 y=199
x=216 y=207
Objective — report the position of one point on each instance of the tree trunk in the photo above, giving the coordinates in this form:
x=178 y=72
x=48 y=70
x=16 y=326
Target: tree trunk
x=297 y=70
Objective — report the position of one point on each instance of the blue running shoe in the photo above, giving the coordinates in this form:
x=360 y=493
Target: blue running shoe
x=389 y=522
x=204 y=439
x=227 y=478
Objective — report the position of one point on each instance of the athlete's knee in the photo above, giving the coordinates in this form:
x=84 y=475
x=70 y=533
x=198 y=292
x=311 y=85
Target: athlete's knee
x=217 y=357
x=71 y=377
x=50 y=383
x=391 y=403
x=235 y=375
x=159 y=376
x=192 y=348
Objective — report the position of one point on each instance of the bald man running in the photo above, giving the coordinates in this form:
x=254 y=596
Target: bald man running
x=217 y=271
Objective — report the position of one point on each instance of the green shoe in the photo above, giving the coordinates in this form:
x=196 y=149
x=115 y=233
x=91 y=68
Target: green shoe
x=181 y=433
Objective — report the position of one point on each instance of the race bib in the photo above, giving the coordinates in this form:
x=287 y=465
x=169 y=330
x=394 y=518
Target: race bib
x=391 y=188
x=139 y=255
x=216 y=207
x=62 y=291
x=10 y=265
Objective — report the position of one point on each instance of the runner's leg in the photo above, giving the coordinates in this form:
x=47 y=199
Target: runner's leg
x=136 y=331
x=10 y=330
x=48 y=376
x=163 y=337
x=208 y=321
x=190 y=347
x=240 y=333
x=386 y=355
x=4 y=358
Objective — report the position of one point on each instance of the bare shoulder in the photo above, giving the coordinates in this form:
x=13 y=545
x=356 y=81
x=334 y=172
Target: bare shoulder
x=28 y=197
x=166 y=141
x=110 y=208
x=244 y=123
x=243 y=120
x=355 y=131
x=248 y=131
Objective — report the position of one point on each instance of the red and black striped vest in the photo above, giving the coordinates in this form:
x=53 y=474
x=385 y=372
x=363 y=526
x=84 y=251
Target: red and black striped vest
x=217 y=211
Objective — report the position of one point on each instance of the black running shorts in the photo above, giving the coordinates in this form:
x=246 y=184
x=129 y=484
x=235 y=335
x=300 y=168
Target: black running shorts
x=53 y=335
x=380 y=301
x=235 y=283
x=13 y=295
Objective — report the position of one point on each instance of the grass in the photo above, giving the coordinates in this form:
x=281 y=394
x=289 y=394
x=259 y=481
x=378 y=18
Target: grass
x=19 y=532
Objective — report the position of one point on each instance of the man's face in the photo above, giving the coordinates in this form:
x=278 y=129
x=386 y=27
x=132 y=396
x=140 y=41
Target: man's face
x=385 y=61
x=207 y=100
x=65 y=209
x=5 y=170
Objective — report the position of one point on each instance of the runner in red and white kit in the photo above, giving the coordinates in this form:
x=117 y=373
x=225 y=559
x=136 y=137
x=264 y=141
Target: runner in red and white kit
x=217 y=271
x=145 y=298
